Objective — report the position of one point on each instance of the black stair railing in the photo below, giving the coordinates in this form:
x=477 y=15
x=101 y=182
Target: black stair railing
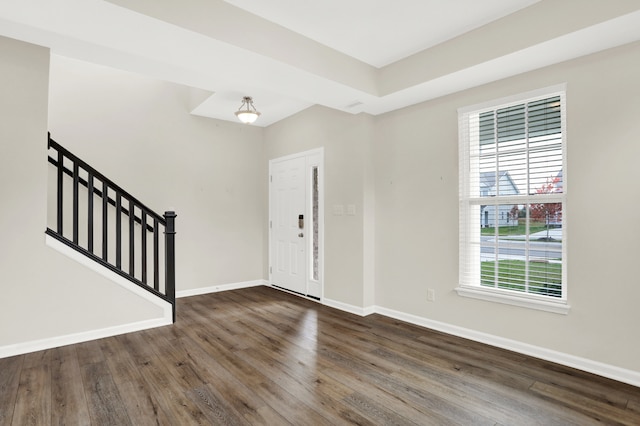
x=128 y=237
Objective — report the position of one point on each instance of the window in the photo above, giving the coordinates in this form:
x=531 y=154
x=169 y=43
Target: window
x=512 y=198
x=315 y=209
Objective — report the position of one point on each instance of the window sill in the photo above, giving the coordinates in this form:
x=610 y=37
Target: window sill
x=560 y=307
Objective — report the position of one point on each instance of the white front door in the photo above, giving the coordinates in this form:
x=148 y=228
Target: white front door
x=288 y=269
x=295 y=223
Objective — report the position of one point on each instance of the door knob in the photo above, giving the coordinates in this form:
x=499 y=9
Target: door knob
x=301 y=235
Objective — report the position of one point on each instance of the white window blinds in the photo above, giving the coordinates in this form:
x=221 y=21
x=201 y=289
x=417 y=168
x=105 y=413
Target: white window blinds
x=512 y=192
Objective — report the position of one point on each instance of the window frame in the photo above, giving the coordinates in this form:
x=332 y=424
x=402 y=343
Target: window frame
x=548 y=303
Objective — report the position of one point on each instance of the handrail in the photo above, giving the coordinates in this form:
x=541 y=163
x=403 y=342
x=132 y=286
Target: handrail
x=114 y=208
x=53 y=144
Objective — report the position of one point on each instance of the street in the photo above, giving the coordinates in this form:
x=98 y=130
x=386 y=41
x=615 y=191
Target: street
x=515 y=249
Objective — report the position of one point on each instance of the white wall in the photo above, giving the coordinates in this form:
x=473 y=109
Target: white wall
x=139 y=133
x=413 y=156
x=44 y=294
x=416 y=181
x=345 y=138
x=399 y=169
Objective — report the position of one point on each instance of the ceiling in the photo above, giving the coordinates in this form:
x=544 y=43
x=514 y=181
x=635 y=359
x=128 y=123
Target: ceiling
x=381 y=32
x=370 y=56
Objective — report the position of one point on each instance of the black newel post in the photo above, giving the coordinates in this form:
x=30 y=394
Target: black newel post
x=170 y=258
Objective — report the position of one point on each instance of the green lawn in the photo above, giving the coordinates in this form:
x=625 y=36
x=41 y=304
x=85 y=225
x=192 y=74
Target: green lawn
x=544 y=278
x=514 y=230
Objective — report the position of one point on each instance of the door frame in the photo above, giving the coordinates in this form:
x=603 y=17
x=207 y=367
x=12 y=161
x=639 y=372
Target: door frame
x=314 y=158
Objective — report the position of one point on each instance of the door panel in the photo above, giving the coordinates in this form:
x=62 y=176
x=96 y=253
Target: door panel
x=288 y=240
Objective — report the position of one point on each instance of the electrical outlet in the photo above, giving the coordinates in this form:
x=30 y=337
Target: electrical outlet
x=431 y=295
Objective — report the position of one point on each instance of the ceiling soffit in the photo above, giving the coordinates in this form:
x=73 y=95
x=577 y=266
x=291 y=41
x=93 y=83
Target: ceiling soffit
x=215 y=46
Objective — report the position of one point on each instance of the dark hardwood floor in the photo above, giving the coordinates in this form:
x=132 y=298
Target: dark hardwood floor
x=262 y=356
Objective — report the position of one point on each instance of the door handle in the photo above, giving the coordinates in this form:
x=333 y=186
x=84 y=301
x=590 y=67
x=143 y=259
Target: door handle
x=301 y=221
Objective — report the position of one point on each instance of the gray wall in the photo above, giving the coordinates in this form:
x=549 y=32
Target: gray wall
x=416 y=170
x=399 y=169
x=139 y=133
x=44 y=294
x=414 y=225
x=346 y=139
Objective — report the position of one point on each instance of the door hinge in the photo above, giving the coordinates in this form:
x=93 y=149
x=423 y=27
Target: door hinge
x=270 y=224
x=270 y=270
x=271 y=178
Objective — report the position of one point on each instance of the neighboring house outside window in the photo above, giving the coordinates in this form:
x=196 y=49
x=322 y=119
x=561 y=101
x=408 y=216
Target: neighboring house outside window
x=512 y=200
x=488 y=188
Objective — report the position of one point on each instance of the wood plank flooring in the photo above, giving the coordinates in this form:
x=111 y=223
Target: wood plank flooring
x=261 y=356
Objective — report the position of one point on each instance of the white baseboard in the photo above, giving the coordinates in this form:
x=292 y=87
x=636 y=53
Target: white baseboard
x=612 y=372
x=368 y=310
x=616 y=373
x=69 y=339
x=220 y=287
x=357 y=310
x=54 y=342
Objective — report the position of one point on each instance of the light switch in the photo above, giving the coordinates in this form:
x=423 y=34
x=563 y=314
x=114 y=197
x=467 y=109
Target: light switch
x=351 y=209
x=338 y=209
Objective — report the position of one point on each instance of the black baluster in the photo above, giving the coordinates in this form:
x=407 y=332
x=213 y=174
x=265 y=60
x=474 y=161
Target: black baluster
x=60 y=186
x=90 y=212
x=105 y=215
x=132 y=222
x=143 y=248
x=156 y=257
x=75 y=201
x=118 y=231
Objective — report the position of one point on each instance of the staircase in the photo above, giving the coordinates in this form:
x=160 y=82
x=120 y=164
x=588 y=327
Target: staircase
x=103 y=222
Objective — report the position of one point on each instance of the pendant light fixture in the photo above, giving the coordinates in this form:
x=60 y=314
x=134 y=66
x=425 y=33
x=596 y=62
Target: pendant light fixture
x=247 y=113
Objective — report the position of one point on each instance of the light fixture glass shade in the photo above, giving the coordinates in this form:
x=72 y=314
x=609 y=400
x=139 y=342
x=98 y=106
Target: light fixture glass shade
x=247 y=117
x=247 y=113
